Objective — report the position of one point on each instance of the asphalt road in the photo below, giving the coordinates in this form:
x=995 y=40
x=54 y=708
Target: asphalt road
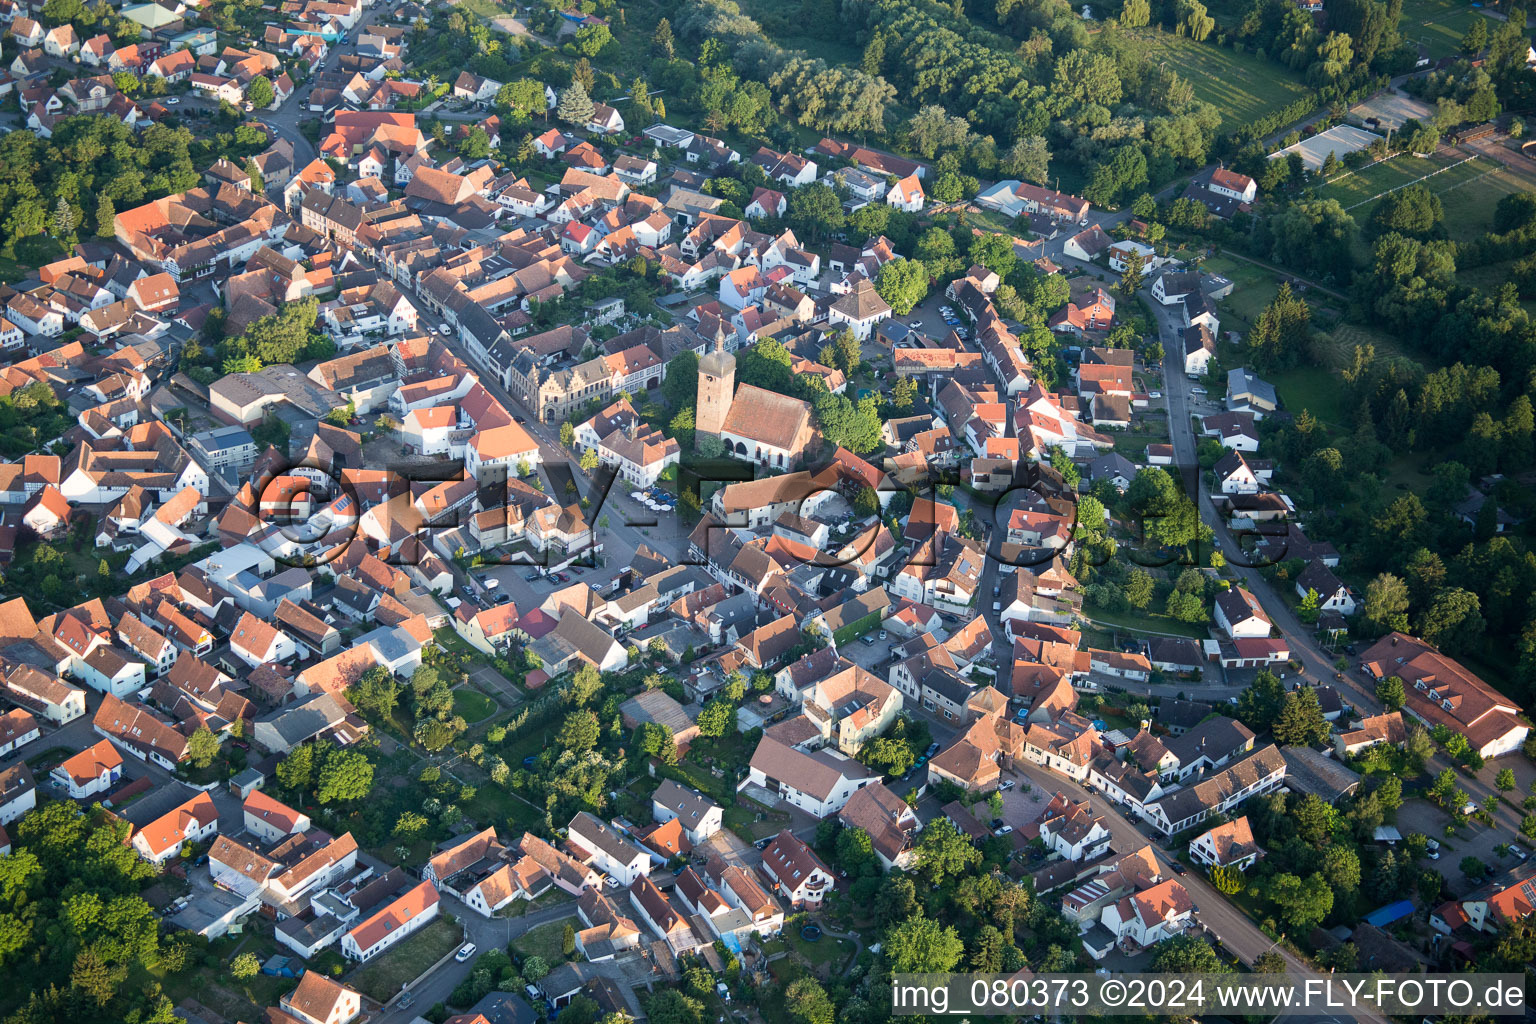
x=486 y=933
x=1216 y=915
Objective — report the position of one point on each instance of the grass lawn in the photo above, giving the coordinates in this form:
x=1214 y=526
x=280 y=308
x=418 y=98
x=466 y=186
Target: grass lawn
x=546 y=941
x=1240 y=85
x=826 y=951
x=1253 y=288
x=1353 y=187
x=1149 y=621
x=1469 y=201
x=1314 y=388
x=472 y=705
x=381 y=977
x=31 y=253
x=497 y=804
x=450 y=641
x=752 y=822
x=1438 y=24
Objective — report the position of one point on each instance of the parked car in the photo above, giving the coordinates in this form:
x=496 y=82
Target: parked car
x=443 y=330
x=869 y=641
x=884 y=635
x=1006 y=785
x=465 y=952
x=1197 y=391
x=171 y=101
x=1005 y=830
x=933 y=748
x=1433 y=854
x=1178 y=868
x=503 y=597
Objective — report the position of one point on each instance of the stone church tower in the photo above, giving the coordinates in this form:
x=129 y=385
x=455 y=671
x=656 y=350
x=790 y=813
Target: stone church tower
x=717 y=385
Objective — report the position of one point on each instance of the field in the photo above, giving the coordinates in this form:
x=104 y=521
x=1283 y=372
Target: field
x=381 y=978
x=472 y=705
x=1351 y=188
x=1469 y=202
x=1243 y=87
x=1438 y=25
x=546 y=941
x=1469 y=189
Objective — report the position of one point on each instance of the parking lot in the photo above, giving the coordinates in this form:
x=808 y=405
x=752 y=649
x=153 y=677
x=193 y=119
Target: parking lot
x=1472 y=840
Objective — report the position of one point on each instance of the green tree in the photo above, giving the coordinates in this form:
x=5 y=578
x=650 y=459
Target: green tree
x=347 y=775
x=902 y=284
x=1386 y=603
x=808 y=1003
x=409 y=825
x=1301 y=721
x=579 y=732
x=524 y=96
x=1453 y=621
x=715 y=718
x=1302 y=902
x=815 y=211
x=260 y=93
x=662 y=42
x=295 y=771
x=590 y=39
x=244 y=966
x=1389 y=690
x=1135 y=13
x=1186 y=954
x=1260 y=704
x=202 y=747
x=106 y=217
x=669 y=1006
x=1227 y=879
x=943 y=852
x=1139 y=588
x=1505 y=780
x=921 y=945
x=575 y=106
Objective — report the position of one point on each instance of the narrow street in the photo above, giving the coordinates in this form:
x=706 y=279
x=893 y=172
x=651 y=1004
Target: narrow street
x=1218 y=917
x=485 y=933
x=1317 y=664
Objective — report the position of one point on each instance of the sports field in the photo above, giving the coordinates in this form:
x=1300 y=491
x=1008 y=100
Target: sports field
x=1240 y=85
x=1469 y=202
x=1352 y=187
x=1468 y=189
x=1438 y=24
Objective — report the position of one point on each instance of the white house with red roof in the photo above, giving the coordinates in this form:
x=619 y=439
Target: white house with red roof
x=272 y=819
x=17 y=729
x=578 y=238
x=1143 y=919
x=258 y=642
x=401 y=917
x=93 y=771
x=551 y=144
x=1229 y=844
x=907 y=194
x=1233 y=185
x=192 y=822
x=766 y=202
x=799 y=876
x=1239 y=614
x=320 y=1000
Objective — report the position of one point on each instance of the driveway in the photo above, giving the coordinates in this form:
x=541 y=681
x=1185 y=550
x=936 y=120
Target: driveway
x=486 y=933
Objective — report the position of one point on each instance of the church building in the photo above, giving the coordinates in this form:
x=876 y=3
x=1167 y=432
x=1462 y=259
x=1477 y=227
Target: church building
x=759 y=426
